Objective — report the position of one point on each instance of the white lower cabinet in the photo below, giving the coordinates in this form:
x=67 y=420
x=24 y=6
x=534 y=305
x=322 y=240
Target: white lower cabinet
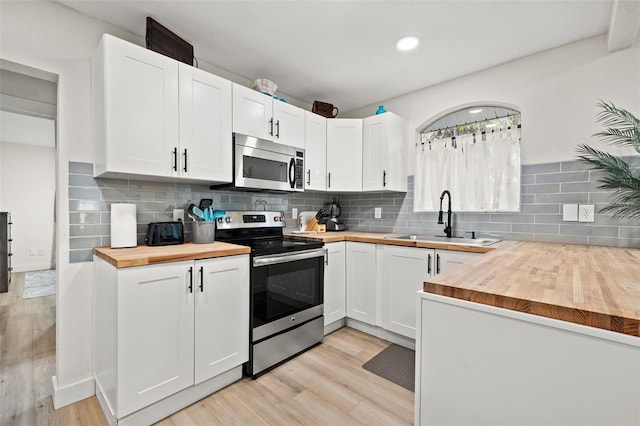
x=446 y=260
x=161 y=329
x=221 y=316
x=361 y=282
x=335 y=283
x=404 y=270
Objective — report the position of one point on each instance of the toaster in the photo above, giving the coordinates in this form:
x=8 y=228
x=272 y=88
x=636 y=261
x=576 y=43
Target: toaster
x=164 y=233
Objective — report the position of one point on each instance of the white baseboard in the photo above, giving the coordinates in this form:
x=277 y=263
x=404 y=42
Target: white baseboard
x=34 y=267
x=382 y=333
x=330 y=328
x=71 y=393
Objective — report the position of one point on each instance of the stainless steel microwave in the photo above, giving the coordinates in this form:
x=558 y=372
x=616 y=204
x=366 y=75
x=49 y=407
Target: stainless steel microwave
x=262 y=164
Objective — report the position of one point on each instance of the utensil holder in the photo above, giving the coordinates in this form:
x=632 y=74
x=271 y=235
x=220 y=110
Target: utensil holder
x=203 y=232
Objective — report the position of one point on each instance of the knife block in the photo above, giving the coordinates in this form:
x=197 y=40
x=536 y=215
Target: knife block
x=313 y=225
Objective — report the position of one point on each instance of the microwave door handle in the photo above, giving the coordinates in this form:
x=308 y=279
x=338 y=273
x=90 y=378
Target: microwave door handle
x=292 y=173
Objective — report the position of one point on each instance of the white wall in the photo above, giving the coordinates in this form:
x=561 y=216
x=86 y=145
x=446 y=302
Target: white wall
x=51 y=37
x=27 y=191
x=556 y=92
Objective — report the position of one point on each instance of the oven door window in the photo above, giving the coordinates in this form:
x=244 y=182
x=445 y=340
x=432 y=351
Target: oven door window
x=283 y=289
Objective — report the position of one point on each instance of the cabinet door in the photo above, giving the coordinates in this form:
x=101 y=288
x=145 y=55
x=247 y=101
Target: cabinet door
x=335 y=283
x=289 y=122
x=384 y=158
x=361 y=282
x=252 y=113
x=404 y=270
x=140 y=110
x=205 y=126
x=344 y=154
x=315 y=152
x=447 y=260
x=155 y=334
x=221 y=315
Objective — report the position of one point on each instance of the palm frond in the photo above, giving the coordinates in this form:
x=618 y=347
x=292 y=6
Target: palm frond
x=613 y=116
x=622 y=210
x=622 y=127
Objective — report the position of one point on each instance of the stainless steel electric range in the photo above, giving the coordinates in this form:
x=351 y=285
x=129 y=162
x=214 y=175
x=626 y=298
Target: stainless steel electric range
x=287 y=287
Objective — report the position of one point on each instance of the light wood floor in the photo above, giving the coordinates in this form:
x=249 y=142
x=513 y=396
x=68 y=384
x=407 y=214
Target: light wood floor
x=325 y=385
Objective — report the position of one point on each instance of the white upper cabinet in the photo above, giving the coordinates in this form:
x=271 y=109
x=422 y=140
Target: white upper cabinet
x=289 y=124
x=205 y=126
x=344 y=154
x=384 y=162
x=135 y=95
x=260 y=115
x=157 y=118
x=315 y=152
x=252 y=112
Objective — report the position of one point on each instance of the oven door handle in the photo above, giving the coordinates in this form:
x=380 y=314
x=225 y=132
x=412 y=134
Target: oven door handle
x=288 y=257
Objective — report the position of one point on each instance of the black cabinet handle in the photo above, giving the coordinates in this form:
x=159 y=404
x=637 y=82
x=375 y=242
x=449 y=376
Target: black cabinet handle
x=175 y=159
x=437 y=264
x=278 y=129
x=384 y=178
x=329 y=180
x=201 y=279
x=309 y=177
x=185 y=160
x=191 y=279
x=429 y=264
x=271 y=126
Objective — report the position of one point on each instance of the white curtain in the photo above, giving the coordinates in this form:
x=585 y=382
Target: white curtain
x=481 y=175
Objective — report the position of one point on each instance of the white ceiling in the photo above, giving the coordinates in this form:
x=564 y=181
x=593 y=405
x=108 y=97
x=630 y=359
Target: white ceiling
x=343 y=52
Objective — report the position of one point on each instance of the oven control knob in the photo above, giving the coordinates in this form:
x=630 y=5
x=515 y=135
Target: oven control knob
x=276 y=218
x=219 y=220
x=227 y=219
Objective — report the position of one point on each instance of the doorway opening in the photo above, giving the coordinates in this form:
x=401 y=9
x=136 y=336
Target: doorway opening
x=28 y=114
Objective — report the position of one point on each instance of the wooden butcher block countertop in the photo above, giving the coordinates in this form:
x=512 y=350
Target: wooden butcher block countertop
x=589 y=285
x=387 y=238
x=145 y=255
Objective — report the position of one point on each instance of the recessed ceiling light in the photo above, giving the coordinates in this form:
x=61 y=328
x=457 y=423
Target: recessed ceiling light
x=407 y=43
x=475 y=111
x=491 y=125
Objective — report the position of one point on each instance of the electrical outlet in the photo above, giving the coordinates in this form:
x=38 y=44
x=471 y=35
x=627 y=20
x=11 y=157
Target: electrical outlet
x=178 y=215
x=33 y=252
x=586 y=213
x=41 y=252
x=294 y=213
x=378 y=213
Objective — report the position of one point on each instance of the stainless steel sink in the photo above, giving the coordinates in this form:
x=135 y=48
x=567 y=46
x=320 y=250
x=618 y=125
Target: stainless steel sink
x=446 y=240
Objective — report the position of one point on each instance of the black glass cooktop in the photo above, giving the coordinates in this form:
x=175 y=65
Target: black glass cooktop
x=278 y=245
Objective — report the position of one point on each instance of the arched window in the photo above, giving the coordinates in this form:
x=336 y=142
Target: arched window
x=474 y=153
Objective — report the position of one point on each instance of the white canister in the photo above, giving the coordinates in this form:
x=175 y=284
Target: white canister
x=123 y=225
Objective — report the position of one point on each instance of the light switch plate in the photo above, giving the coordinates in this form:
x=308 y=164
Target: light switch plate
x=586 y=213
x=294 y=213
x=570 y=212
x=178 y=215
x=378 y=213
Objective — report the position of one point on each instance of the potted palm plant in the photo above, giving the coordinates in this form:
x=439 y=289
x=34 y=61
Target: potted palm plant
x=622 y=129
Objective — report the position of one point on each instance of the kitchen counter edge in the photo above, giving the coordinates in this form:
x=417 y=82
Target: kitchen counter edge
x=146 y=255
x=388 y=239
